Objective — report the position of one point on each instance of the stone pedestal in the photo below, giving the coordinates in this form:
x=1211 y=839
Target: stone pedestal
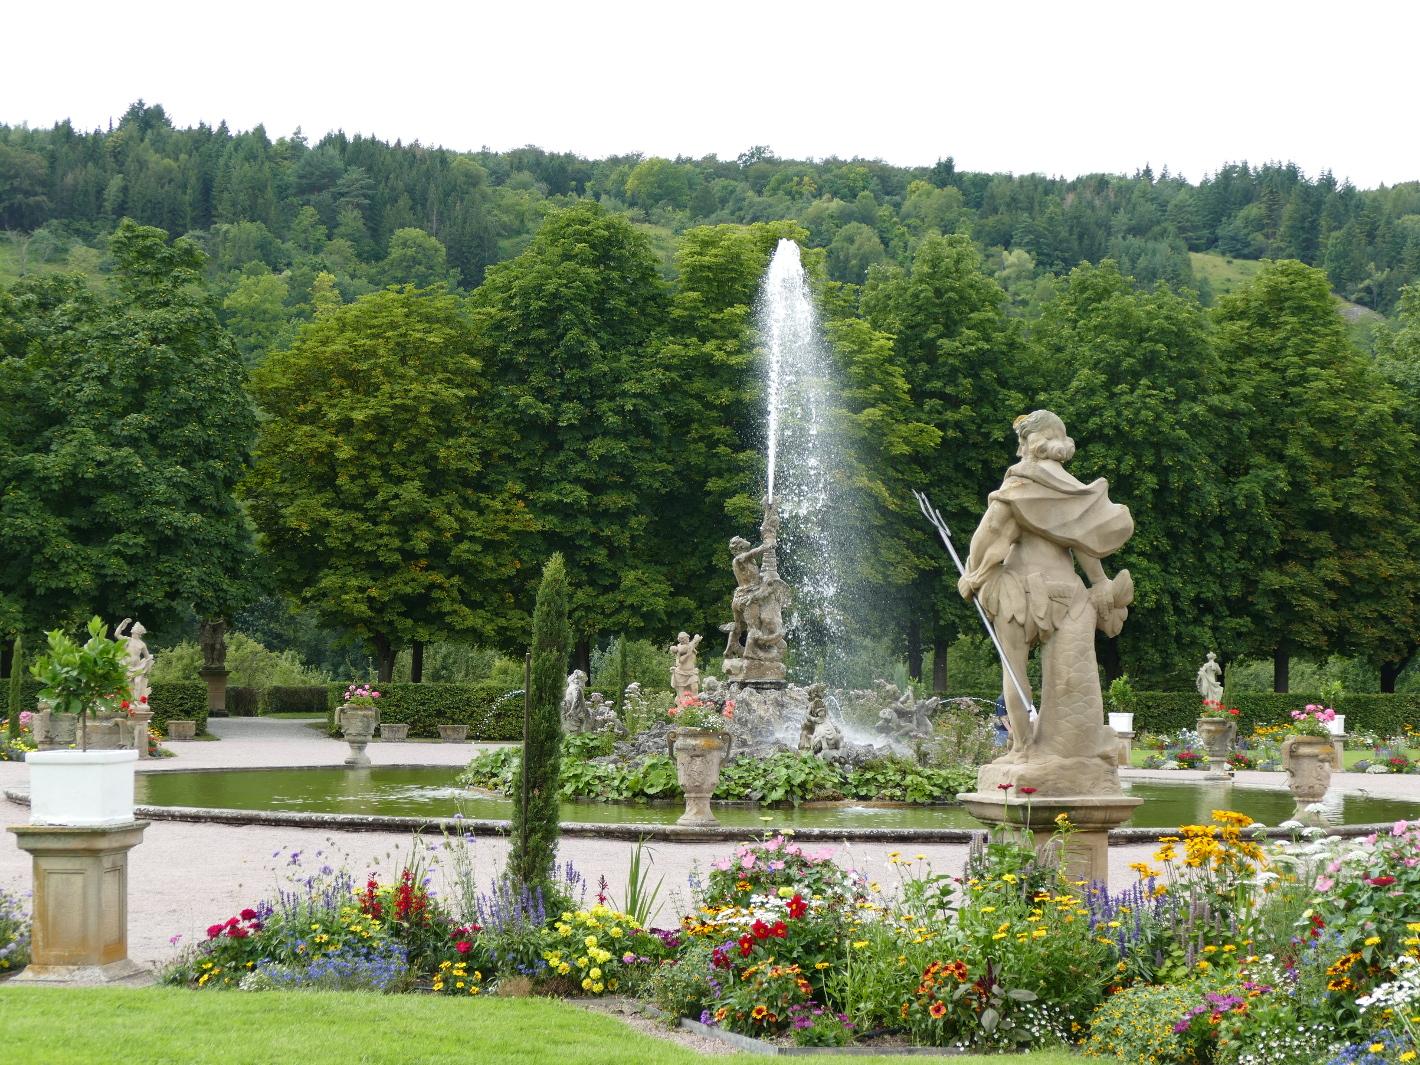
x=80 y=902
x=216 y=678
x=1126 y=748
x=140 y=720
x=358 y=724
x=1086 y=855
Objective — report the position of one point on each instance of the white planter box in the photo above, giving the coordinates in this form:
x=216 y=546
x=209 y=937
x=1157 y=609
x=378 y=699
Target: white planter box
x=1337 y=725
x=1121 y=722
x=81 y=788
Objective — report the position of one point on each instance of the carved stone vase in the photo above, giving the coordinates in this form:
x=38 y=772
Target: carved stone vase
x=1309 y=761
x=358 y=724
x=699 y=755
x=1216 y=734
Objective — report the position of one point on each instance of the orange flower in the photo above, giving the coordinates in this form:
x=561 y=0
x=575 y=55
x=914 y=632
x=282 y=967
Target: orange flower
x=758 y=1012
x=938 y=1010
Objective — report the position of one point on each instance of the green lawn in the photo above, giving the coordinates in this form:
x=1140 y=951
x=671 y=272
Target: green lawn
x=1224 y=274
x=167 y=1026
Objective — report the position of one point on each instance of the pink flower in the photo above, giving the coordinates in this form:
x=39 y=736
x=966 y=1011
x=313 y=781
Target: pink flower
x=747 y=862
x=1397 y=829
x=1324 y=883
x=720 y=863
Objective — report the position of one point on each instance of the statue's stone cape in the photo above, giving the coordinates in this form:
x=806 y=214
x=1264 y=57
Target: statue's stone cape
x=1049 y=502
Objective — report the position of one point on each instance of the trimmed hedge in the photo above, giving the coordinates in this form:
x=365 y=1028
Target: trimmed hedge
x=244 y=701
x=490 y=711
x=173 y=700
x=302 y=698
x=1386 y=715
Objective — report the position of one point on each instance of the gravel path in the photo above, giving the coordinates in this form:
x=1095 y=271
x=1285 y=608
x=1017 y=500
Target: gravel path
x=185 y=876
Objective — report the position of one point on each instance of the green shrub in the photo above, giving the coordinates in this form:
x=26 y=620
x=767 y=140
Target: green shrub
x=491 y=711
x=179 y=701
x=243 y=701
x=1385 y=715
x=297 y=698
x=787 y=776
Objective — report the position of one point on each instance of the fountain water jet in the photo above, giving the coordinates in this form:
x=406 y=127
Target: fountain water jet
x=803 y=453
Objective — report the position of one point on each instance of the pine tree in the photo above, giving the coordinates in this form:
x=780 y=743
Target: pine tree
x=534 y=843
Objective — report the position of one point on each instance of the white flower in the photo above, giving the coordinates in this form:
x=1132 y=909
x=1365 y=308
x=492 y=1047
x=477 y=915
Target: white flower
x=1290 y=826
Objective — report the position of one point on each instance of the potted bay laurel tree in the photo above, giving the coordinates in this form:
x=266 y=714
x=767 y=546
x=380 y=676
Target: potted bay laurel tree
x=700 y=746
x=81 y=787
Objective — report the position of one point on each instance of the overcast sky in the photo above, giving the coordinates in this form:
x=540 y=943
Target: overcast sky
x=1060 y=88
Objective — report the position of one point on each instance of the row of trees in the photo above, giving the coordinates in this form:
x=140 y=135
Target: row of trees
x=420 y=452
x=349 y=206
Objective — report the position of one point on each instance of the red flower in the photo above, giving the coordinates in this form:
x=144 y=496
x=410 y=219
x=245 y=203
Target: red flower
x=143 y=699
x=1380 y=881
x=237 y=933
x=778 y=930
x=746 y=945
x=248 y=914
x=463 y=946
x=1005 y=787
x=232 y=922
x=1026 y=791
x=797 y=907
x=759 y=930
x=213 y=931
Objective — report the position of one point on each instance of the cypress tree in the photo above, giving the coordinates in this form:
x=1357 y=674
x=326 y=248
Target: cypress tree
x=535 y=804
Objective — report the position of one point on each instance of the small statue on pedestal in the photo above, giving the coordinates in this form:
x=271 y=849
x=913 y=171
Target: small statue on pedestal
x=685 y=673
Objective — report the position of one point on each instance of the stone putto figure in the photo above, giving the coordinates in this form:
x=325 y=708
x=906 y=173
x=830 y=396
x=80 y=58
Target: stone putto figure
x=140 y=660
x=211 y=637
x=685 y=673
x=755 y=648
x=1210 y=684
x=1038 y=526
x=816 y=717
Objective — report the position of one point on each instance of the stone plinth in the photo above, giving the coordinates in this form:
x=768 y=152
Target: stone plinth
x=216 y=678
x=756 y=673
x=80 y=902
x=1126 y=748
x=1092 y=816
x=140 y=720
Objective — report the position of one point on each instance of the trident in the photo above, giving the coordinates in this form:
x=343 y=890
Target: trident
x=934 y=516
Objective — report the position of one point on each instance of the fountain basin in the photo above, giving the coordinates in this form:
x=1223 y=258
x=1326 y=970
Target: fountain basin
x=404 y=798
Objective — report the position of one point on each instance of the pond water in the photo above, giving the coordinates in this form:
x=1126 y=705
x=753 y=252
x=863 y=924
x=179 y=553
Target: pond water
x=433 y=792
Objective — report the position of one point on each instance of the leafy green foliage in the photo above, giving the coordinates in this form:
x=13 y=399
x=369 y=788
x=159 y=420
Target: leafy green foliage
x=15 y=704
x=123 y=429
x=374 y=483
x=534 y=832
x=491 y=711
x=85 y=678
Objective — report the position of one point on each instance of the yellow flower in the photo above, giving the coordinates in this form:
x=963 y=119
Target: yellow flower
x=1376 y=1048
x=595 y=974
x=586 y=984
x=563 y=969
x=590 y=941
x=859 y=944
x=1371 y=941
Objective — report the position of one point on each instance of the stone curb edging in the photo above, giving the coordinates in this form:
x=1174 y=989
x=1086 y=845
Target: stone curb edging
x=631 y=831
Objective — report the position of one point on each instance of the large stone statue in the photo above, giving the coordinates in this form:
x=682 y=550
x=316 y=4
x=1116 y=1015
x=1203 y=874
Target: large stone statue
x=140 y=660
x=1038 y=525
x=755 y=648
x=1210 y=684
x=685 y=673
x=211 y=638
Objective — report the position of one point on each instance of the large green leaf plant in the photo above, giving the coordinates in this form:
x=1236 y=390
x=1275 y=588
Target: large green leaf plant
x=82 y=678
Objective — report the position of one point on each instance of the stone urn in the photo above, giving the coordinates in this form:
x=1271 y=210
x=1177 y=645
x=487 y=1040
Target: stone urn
x=699 y=755
x=358 y=724
x=182 y=730
x=1309 y=762
x=1217 y=736
x=453 y=733
x=393 y=733
x=55 y=732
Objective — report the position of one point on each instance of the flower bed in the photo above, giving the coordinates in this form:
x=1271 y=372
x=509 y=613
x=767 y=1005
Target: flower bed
x=1227 y=948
